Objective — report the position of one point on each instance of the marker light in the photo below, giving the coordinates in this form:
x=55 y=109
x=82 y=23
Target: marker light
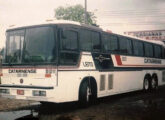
x=20 y=92
x=47 y=75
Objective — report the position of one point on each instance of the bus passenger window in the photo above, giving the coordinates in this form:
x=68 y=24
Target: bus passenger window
x=69 y=40
x=148 y=50
x=125 y=46
x=85 y=40
x=163 y=53
x=110 y=43
x=138 y=48
x=157 y=51
x=95 y=41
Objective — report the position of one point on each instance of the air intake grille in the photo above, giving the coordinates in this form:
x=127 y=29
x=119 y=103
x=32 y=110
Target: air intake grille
x=110 y=82
x=102 y=82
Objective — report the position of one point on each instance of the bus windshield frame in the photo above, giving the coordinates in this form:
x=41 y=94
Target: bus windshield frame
x=34 y=45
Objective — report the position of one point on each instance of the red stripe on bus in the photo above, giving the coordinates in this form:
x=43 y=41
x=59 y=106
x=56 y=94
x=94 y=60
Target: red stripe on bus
x=118 y=59
x=119 y=63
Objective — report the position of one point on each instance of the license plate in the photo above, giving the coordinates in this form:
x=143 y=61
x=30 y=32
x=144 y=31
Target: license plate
x=20 y=92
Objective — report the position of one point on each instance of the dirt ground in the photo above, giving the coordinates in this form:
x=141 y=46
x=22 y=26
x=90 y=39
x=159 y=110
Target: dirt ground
x=8 y=104
x=131 y=106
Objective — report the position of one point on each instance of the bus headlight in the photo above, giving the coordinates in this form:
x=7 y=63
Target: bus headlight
x=39 y=93
x=5 y=91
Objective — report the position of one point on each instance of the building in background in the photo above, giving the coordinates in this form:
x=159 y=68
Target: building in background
x=148 y=34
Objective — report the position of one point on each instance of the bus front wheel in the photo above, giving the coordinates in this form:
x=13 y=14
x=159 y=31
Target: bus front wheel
x=86 y=94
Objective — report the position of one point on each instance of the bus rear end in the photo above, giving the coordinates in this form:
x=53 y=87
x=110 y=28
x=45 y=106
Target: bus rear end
x=29 y=69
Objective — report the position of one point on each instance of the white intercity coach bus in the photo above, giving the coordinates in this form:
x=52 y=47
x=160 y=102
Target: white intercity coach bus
x=62 y=61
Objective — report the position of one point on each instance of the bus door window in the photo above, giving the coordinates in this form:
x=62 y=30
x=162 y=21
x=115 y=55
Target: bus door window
x=69 y=47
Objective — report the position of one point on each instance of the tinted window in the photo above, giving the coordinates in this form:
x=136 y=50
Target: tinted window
x=40 y=45
x=85 y=40
x=15 y=41
x=69 y=53
x=125 y=46
x=68 y=58
x=157 y=51
x=95 y=41
x=163 y=53
x=69 y=40
x=110 y=43
x=138 y=48
x=148 y=50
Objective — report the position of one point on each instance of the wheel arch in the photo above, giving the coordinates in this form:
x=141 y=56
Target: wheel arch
x=92 y=82
x=148 y=76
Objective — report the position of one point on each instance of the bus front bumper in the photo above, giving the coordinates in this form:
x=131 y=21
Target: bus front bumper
x=27 y=94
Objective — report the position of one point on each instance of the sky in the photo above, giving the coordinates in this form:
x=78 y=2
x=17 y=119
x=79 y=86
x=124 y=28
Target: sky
x=115 y=15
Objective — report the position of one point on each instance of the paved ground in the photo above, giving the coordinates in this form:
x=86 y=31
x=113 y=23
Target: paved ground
x=130 y=106
x=8 y=104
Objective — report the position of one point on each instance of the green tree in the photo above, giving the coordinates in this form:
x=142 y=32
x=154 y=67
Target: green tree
x=74 y=13
x=1 y=51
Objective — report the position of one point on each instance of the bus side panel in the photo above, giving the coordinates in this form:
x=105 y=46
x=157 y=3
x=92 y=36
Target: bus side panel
x=122 y=81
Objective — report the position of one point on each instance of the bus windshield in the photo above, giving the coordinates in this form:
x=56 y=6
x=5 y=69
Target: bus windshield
x=31 y=46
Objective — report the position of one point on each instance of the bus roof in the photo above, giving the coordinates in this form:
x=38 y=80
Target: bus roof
x=140 y=39
x=151 y=41
x=52 y=21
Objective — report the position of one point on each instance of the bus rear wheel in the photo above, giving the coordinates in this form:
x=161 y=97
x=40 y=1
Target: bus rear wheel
x=154 y=84
x=146 y=84
x=86 y=94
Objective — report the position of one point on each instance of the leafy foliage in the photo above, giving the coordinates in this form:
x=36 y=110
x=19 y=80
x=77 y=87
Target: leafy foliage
x=1 y=51
x=74 y=13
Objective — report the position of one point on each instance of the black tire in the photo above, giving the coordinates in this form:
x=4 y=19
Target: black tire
x=45 y=103
x=87 y=94
x=154 y=83
x=146 y=84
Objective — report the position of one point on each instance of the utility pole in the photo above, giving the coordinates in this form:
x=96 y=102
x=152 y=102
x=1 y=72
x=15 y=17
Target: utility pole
x=85 y=12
